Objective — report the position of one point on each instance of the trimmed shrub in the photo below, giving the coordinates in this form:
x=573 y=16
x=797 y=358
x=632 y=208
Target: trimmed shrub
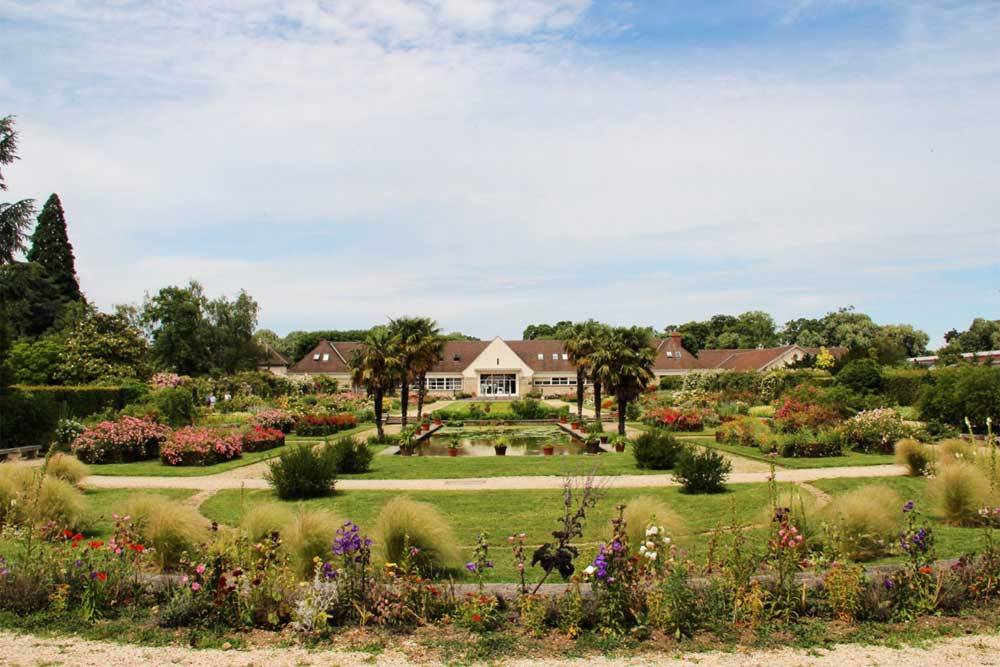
x=27 y=419
x=671 y=382
x=320 y=425
x=170 y=527
x=197 y=446
x=958 y=392
x=282 y=420
x=959 y=491
x=261 y=439
x=353 y=456
x=262 y=520
x=861 y=375
x=866 y=522
x=656 y=450
x=915 y=455
x=701 y=470
x=123 y=441
x=65 y=467
x=175 y=405
x=302 y=471
x=403 y=521
x=643 y=511
x=308 y=537
x=903 y=387
x=811 y=445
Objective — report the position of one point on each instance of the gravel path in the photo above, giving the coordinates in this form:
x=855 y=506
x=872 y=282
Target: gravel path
x=230 y=481
x=26 y=650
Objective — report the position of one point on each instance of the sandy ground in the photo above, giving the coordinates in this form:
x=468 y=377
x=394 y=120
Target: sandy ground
x=26 y=650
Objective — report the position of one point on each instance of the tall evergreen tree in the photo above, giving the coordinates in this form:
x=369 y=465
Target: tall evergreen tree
x=51 y=248
x=15 y=218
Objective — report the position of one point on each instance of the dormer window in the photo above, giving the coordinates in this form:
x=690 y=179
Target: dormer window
x=457 y=357
x=669 y=353
x=565 y=357
x=316 y=357
x=326 y=357
x=555 y=356
x=678 y=354
x=541 y=356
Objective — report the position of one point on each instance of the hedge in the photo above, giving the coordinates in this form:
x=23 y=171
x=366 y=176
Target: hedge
x=83 y=401
x=27 y=419
x=903 y=386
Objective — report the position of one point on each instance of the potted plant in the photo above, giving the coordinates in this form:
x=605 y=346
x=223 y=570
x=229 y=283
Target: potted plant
x=620 y=442
x=437 y=421
x=548 y=449
x=575 y=425
x=500 y=446
x=562 y=419
x=453 y=448
x=592 y=444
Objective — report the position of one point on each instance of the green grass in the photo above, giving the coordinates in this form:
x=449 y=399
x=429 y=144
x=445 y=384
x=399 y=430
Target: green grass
x=104 y=501
x=950 y=541
x=535 y=512
x=156 y=468
x=848 y=459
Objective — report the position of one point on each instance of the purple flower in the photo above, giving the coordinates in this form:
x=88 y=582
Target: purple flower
x=887 y=582
x=328 y=571
x=78 y=563
x=348 y=540
x=471 y=567
x=908 y=507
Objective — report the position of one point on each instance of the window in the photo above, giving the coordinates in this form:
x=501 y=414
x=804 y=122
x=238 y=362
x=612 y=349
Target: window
x=669 y=353
x=555 y=356
x=678 y=354
x=444 y=384
x=565 y=357
x=326 y=357
x=457 y=357
x=316 y=357
x=568 y=381
x=540 y=356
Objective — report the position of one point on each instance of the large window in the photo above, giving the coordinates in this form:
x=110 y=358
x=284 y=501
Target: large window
x=564 y=381
x=498 y=384
x=444 y=384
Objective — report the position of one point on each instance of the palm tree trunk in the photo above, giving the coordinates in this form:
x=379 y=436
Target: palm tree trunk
x=622 y=408
x=378 y=414
x=581 y=378
x=597 y=402
x=404 y=396
x=421 y=393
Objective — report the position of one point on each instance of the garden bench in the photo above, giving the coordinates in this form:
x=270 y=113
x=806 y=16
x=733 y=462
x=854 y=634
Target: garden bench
x=26 y=452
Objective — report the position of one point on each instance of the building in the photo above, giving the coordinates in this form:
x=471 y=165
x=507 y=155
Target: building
x=985 y=357
x=512 y=368
x=273 y=361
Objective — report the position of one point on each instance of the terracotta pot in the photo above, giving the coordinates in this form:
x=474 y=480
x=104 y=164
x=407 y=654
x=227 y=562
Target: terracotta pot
x=604 y=439
x=575 y=426
x=426 y=427
x=405 y=451
x=453 y=451
x=562 y=420
x=437 y=422
x=500 y=451
x=548 y=450
x=620 y=447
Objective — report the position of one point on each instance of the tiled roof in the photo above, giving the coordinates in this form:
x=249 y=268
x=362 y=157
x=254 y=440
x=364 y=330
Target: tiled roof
x=529 y=350
x=271 y=357
x=332 y=358
x=458 y=354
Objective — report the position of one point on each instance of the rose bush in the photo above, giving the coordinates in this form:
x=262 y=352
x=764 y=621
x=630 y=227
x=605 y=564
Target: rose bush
x=282 y=420
x=876 y=430
x=261 y=438
x=122 y=441
x=674 y=419
x=320 y=425
x=194 y=445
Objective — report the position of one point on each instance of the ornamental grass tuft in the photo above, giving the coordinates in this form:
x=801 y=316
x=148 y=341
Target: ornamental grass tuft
x=27 y=496
x=915 y=455
x=863 y=523
x=266 y=518
x=959 y=491
x=403 y=521
x=310 y=536
x=170 y=527
x=641 y=512
x=67 y=468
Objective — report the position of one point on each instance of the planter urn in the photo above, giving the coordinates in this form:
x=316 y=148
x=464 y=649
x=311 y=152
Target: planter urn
x=501 y=450
x=620 y=447
x=604 y=439
x=548 y=450
x=453 y=451
x=437 y=422
x=562 y=420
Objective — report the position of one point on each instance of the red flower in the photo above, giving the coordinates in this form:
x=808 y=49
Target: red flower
x=138 y=548
x=102 y=576
x=77 y=537
x=476 y=618
x=926 y=570
x=95 y=544
x=67 y=534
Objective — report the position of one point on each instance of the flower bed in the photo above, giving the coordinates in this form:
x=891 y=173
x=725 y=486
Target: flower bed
x=261 y=439
x=195 y=446
x=876 y=430
x=123 y=441
x=282 y=420
x=320 y=425
x=676 y=420
x=795 y=415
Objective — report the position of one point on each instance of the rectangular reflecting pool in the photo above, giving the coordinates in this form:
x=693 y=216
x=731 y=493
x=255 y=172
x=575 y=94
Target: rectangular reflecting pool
x=480 y=440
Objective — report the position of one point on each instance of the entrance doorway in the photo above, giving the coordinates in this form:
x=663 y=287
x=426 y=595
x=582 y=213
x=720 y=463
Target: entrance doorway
x=497 y=384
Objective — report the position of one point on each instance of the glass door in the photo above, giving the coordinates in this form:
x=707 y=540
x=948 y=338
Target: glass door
x=498 y=384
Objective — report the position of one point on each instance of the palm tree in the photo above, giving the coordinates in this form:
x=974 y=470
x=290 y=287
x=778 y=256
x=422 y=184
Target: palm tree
x=376 y=367
x=624 y=364
x=579 y=346
x=412 y=336
x=428 y=354
x=15 y=218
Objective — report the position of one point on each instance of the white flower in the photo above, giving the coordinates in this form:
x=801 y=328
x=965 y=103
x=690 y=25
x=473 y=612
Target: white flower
x=642 y=549
x=652 y=530
x=589 y=570
x=666 y=540
x=650 y=546
x=651 y=555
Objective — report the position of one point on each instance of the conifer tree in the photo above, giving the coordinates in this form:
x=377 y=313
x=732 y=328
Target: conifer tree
x=51 y=248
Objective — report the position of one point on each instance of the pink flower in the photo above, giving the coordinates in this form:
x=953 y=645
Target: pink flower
x=200 y=569
x=196 y=586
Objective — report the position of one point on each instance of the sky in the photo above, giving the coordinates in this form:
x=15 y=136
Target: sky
x=493 y=163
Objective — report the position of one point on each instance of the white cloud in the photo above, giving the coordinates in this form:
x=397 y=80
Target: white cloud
x=486 y=161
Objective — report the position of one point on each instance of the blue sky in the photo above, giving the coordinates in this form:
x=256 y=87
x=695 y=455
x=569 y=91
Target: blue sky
x=493 y=163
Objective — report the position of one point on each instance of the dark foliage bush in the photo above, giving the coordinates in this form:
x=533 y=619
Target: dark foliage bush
x=702 y=470
x=85 y=400
x=303 y=471
x=958 y=392
x=903 y=387
x=320 y=425
x=175 y=405
x=672 y=382
x=861 y=375
x=353 y=456
x=656 y=450
x=812 y=445
x=27 y=418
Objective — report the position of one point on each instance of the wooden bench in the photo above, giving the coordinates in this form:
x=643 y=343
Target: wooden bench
x=26 y=452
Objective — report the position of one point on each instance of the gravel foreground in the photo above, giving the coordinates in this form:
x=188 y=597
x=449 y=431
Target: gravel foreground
x=26 y=650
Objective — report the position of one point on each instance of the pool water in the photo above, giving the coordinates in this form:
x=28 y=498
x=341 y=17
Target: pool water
x=479 y=441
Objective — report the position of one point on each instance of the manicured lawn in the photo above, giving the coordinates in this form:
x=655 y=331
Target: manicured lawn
x=501 y=513
x=950 y=541
x=445 y=467
x=848 y=459
x=156 y=468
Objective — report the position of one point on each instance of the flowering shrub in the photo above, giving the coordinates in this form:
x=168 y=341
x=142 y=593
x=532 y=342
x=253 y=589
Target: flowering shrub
x=167 y=381
x=262 y=438
x=795 y=415
x=876 y=430
x=128 y=439
x=67 y=430
x=282 y=420
x=320 y=425
x=676 y=420
x=196 y=446
x=743 y=431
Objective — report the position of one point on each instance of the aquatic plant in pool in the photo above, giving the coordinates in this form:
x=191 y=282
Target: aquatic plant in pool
x=480 y=441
